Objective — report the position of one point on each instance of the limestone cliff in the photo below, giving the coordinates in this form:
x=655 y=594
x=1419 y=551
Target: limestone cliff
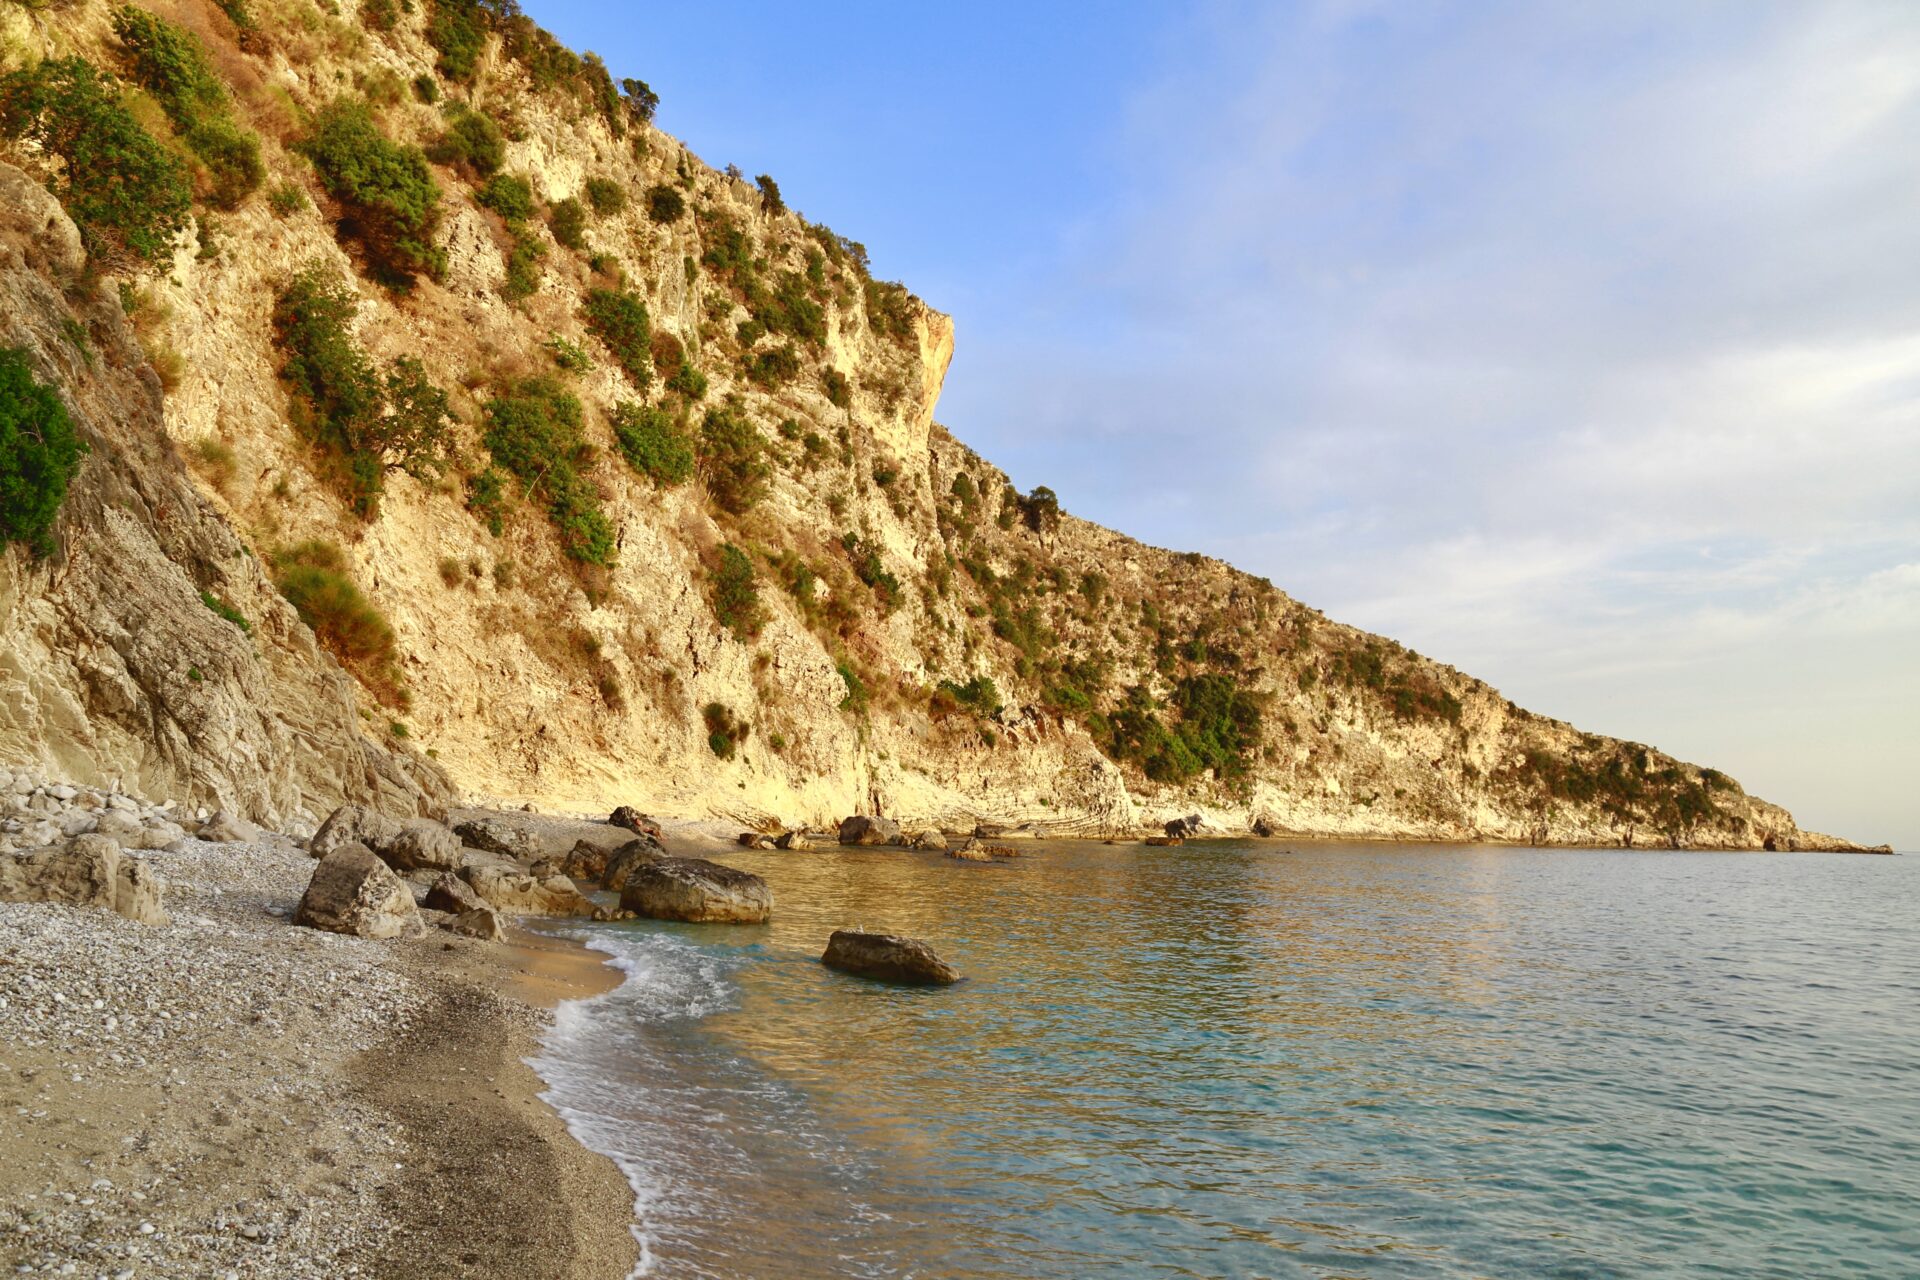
x=926 y=641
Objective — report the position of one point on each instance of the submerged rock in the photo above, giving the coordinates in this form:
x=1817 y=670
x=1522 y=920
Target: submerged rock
x=697 y=890
x=754 y=840
x=354 y=892
x=799 y=840
x=887 y=957
x=88 y=871
x=622 y=861
x=932 y=840
x=861 y=829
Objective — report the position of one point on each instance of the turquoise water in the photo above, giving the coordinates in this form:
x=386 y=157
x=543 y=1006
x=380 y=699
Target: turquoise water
x=1235 y=1060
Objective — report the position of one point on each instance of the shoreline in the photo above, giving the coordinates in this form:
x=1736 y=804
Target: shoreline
x=229 y=1094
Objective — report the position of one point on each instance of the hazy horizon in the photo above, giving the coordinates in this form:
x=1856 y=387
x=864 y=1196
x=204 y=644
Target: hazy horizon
x=1576 y=349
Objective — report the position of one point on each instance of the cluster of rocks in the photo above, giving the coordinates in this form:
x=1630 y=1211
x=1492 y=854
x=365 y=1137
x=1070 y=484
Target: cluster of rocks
x=871 y=831
x=36 y=813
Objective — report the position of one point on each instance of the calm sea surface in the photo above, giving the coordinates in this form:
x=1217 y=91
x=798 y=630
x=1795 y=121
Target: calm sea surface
x=1232 y=1060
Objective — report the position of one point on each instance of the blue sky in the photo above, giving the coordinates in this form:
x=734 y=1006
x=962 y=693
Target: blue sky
x=1577 y=345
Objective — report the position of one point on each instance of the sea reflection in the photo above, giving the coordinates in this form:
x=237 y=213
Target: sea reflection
x=1236 y=1059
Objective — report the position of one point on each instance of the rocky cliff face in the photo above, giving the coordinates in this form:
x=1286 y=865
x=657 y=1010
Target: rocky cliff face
x=926 y=642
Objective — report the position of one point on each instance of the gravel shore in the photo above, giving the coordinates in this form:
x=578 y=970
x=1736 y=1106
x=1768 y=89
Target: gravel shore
x=229 y=1095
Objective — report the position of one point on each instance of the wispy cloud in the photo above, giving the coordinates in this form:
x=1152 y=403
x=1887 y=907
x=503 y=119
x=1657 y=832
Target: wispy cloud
x=1578 y=345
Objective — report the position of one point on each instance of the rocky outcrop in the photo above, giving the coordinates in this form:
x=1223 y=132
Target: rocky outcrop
x=88 y=871
x=622 y=861
x=861 y=829
x=887 y=957
x=522 y=894
x=696 y=890
x=354 y=892
x=415 y=844
x=631 y=819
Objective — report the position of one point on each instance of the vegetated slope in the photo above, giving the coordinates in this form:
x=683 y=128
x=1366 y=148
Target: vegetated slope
x=614 y=479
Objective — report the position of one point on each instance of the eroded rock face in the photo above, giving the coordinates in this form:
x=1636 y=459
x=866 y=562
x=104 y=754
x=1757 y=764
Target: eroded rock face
x=861 y=829
x=88 y=871
x=887 y=957
x=622 y=861
x=521 y=894
x=696 y=890
x=354 y=892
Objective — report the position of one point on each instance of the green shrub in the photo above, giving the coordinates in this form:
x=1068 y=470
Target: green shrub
x=568 y=355
x=523 y=266
x=606 y=196
x=891 y=310
x=472 y=141
x=313 y=578
x=427 y=89
x=239 y=14
x=510 y=196
x=128 y=193
x=689 y=382
x=839 y=389
x=226 y=611
x=534 y=434
x=775 y=367
x=979 y=697
x=770 y=199
x=391 y=199
x=39 y=454
x=664 y=204
x=735 y=594
x=641 y=100
x=380 y=15
x=650 y=441
x=231 y=156
x=857 y=698
x=370 y=423
x=287 y=199
x=619 y=318
x=732 y=460
x=725 y=731
x=457 y=30
x=487 y=499
x=568 y=221
x=169 y=63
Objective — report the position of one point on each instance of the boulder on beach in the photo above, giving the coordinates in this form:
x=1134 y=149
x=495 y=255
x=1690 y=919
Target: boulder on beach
x=696 y=890
x=621 y=862
x=585 y=861
x=1264 y=827
x=354 y=892
x=635 y=821
x=354 y=824
x=1185 y=828
x=225 y=827
x=796 y=840
x=451 y=894
x=862 y=829
x=931 y=840
x=521 y=894
x=481 y=923
x=87 y=871
x=887 y=957
x=490 y=835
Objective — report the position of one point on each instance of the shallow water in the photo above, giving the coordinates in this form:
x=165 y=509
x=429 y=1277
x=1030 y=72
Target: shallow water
x=1232 y=1060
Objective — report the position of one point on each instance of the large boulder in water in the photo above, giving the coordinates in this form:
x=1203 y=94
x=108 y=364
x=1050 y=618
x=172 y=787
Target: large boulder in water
x=353 y=892
x=885 y=956
x=88 y=871
x=697 y=890
x=861 y=829
x=622 y=861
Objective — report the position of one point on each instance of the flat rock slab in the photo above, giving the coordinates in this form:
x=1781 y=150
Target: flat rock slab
x=888 y=958
x=696 y=890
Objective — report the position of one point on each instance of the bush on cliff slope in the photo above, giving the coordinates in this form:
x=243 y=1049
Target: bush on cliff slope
x=650 y=441
x=367 y=423
x=390 y=199
x=313 y=577
x=171 y=64
x=39 y=453
x=128 y=193
x=534 y=433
